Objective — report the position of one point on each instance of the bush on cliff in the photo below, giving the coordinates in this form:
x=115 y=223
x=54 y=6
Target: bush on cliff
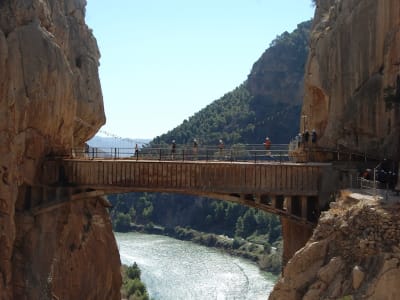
x=132 y=286
x=122 y=223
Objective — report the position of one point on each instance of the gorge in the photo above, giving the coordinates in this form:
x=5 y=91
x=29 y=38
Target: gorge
x=50 y=102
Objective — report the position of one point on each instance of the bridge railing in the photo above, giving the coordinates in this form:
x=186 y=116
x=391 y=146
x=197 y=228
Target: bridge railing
x=238 y=152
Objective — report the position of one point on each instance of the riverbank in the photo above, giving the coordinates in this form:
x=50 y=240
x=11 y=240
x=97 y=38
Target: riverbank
x=266 y=257
x=174 y=269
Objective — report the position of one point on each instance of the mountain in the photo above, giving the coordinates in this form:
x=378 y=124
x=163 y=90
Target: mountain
x=268 y=103
x=111 y=142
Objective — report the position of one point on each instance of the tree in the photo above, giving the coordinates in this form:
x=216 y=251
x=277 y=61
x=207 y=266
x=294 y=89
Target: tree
x=239 y=231
x=122 y=222
x=133 y=271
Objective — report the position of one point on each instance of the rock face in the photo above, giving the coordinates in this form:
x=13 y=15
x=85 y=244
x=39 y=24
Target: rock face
x=50 y=102
x=353 y=66
x=353 y=252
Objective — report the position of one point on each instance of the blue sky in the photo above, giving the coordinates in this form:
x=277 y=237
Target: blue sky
x=162 y=61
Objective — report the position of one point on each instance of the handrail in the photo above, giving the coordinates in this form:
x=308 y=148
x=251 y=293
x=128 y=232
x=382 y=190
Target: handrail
x=239 y=152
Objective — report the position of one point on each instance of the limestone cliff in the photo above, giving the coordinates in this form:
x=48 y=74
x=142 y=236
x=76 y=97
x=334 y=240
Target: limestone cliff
x=50 y=101
x=354 y=58
x=353 y=252
x=354 y=61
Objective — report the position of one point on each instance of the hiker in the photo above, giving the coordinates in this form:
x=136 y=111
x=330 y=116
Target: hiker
x=298 y=140
x=267 y=144
x=173 y=149
x=136 y=151
x=306 y=137
x=221 y=147
x=195 y=146
x=313 y=137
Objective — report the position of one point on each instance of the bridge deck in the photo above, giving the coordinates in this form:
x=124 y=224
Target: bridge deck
x=197 y=177
x=287 y=189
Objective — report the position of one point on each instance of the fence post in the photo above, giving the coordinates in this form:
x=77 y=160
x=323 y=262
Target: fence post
x=160 y=154
x=183 y=154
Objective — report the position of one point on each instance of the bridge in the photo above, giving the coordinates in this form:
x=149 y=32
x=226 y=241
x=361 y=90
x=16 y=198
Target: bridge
x=287 y=189
x=267 y=180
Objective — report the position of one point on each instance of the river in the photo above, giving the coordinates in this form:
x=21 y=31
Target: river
x=174 y=270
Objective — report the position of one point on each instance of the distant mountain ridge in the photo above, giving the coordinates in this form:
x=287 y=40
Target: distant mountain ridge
x=268 y=103
x=111 y=142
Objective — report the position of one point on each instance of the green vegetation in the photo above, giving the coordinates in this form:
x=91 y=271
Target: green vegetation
x=132 y=287
x=239 y=230
x=268 y=103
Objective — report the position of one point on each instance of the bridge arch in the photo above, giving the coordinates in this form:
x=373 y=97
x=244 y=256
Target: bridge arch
x=290 y=190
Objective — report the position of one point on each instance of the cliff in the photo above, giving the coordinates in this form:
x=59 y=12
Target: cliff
x=353 y=254
x=352 y=71
x=352 y=93
x=50 y=102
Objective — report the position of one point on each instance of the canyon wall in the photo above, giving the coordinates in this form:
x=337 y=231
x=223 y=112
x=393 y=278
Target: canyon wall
x=352 y=93
x=352 y=83
x=50 y=102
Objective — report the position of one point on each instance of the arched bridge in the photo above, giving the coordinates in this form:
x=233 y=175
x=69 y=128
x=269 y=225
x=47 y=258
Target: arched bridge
x=265 y=180
x=288 y=189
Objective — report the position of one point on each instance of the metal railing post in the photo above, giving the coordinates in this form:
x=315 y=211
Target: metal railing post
x=160 y=154
x=183 y=154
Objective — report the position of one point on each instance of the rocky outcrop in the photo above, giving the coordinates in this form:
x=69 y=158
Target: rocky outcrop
x=352 y=83
x=278 y=75
x=50 y=102
x=353 y=254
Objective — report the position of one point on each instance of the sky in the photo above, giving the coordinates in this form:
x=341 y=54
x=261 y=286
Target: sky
x=164 y=60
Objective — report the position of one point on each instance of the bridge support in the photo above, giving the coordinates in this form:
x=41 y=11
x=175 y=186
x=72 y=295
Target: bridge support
x=295 y=236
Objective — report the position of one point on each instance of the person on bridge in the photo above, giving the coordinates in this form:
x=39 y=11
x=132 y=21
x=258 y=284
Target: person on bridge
x=267 y=145
x=306 y=137
x=298 y=140
x=313 y=137
x=136 y=151
x=221 y=147
x=173 y=149
x=195 y=146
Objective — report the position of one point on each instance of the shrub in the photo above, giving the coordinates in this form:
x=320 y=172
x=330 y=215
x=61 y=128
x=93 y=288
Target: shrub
x=122 y=223
x=133 y=271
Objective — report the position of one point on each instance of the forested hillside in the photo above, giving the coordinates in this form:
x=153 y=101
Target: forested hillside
x=268 y=103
